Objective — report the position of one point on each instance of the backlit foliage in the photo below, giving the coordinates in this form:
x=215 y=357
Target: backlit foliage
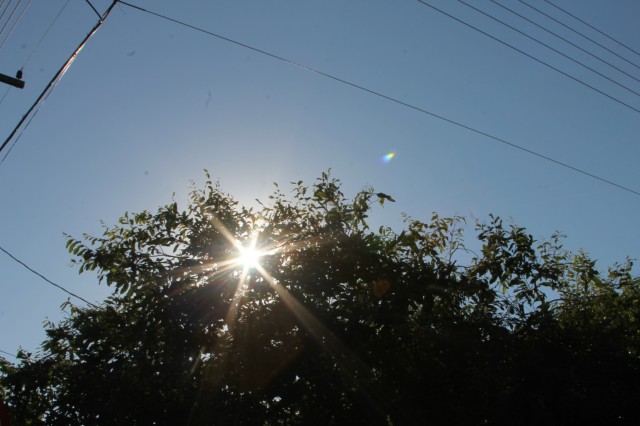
x=337 y=324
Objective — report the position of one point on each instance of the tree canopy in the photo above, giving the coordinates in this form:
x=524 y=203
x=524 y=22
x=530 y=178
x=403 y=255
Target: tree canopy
x=331 y=322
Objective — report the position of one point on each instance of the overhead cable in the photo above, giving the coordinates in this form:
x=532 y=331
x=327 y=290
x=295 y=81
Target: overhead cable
x=529 y=56
x=383 y=96
x=15 y=24
x=8 y=353
x=593 y=28
x=94 y=9
x=17 y=139
x=579 y=33
x=47 y=279
x=10 y=16
x=5 y=9
x=6 y=92
x=565 y=40
x=58 y=76
x=549 y=47
x=35 y=112
x=44 y=35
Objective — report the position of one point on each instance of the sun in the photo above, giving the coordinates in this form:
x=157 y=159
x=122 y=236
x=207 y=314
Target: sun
x=249 y=256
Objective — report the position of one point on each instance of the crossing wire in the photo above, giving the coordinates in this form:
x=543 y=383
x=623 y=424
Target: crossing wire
x=15 y=142
x=8 y=353
x=33 y=51
x=94 y=9
x=15 y=24
x=47 y=279
x=383 y=96
x=6 y=92
x=549 y=47
x=565 y=40
x=44 y=35
x=2 y=2
x=10 y=16
x=56 y=78
x=579 y=33
x=529 y=56
x=592 y=27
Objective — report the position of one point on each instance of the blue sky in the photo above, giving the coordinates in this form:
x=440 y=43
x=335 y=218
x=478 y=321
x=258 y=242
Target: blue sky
x=149 y=104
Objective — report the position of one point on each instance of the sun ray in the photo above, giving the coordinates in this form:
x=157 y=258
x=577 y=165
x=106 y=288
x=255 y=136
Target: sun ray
x=249 y=255
x=350 y=363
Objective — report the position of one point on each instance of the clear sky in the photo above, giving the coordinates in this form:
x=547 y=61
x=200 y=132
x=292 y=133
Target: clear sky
x=149 y=104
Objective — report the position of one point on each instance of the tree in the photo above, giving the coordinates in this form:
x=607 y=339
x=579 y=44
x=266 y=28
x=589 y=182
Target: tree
x=333 y=324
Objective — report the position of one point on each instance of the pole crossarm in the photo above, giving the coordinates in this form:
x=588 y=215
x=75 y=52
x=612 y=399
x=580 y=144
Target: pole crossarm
x=15 y=82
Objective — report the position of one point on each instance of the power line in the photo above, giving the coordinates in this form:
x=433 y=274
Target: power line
x=579 y=33
x=8 y=353
x=15 y=24
x=549 y=47
x=6 y=92
x=592 y=27
x=47 y=279
x=58 y=76
x=383 y=96
x=33 y=51
x=39 y=104
x=6 y=8
x=94 y=9
x=529 y=56
x=13 y=145
x=566 y=40
x=10 y=16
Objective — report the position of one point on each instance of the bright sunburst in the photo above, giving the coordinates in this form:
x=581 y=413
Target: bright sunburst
x=249 y=257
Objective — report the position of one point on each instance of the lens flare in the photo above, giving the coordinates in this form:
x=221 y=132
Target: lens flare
x=388 y=157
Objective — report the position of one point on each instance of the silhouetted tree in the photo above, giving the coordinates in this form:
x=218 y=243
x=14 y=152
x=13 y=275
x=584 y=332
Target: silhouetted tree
x=334 y=324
